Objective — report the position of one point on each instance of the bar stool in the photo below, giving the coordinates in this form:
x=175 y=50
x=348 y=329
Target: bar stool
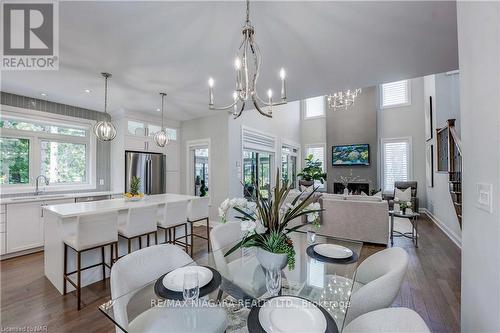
x=197 y=210
x=174 y=215
x=92 y=232
x=139 y=222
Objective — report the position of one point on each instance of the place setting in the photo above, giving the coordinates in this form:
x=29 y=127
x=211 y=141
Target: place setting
x=332 y=253
x=282 y=314
x=188 y=282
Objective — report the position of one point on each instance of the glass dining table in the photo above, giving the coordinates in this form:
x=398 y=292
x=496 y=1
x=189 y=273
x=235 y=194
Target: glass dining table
x=243 y=284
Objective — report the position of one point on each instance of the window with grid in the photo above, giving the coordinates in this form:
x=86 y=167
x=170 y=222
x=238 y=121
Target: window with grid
x=318 y=152
x=396 y=161
x=395 y=94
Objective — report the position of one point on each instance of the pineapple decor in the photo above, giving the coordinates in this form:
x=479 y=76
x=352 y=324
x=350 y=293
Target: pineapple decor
x=134 y=189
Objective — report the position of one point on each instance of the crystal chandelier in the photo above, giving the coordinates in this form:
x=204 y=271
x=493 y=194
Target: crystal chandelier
x=105 y=130
x=161 y=137
x=247 y=65
x=342 y=99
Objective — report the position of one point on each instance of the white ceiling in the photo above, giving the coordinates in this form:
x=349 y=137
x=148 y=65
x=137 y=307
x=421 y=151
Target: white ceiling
x=176 y=46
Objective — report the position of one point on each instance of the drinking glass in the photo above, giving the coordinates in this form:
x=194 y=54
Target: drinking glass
x=311 y=236
x=273 y=281
x=191 y=287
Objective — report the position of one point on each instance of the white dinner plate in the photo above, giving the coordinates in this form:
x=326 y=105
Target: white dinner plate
x=287 y=314
x=175 y=279
x=333 y=251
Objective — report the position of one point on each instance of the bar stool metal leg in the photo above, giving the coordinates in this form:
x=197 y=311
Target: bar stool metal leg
x=65 y=267
x=103 y=264
x=78 y=278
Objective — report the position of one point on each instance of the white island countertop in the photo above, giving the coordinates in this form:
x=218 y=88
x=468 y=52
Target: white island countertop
x=85 y=208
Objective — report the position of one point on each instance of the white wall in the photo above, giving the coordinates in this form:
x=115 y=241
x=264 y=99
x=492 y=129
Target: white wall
x=216 y=129
x=285 y=126
x=312 y=131
x=445 y=99
x=479 y=60
x=408 y=121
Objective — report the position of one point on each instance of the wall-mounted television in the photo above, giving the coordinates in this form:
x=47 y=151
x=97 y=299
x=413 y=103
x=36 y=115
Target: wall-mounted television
x=358 y=154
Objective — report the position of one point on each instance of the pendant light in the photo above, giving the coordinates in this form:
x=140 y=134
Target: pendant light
x=105 y=130
x=161 y=137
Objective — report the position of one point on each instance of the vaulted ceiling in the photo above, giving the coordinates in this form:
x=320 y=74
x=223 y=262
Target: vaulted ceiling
x=176 y=46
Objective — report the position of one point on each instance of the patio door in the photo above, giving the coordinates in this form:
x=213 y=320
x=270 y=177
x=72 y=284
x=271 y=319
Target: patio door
x=257 y=175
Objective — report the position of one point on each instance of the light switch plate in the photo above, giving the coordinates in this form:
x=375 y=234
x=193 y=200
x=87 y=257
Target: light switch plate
x=101 y=181
x=484 y=197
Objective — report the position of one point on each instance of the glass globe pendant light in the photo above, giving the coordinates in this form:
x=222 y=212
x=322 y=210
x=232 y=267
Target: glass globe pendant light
x=105 y=130
x=161 y=137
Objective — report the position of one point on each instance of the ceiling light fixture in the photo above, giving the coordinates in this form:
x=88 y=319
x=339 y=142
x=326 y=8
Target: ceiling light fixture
x=43 y=94
x=87 y=91
x=342 y=99
x=105 y=130
x=247 y=65
x=161 y=137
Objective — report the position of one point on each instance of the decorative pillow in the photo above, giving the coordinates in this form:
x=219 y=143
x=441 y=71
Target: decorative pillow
x=306 y=189
x=403 y=195
x=378 y=194
x=363 y=194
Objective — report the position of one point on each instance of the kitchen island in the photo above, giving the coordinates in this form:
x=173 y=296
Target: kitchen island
x=57 y=224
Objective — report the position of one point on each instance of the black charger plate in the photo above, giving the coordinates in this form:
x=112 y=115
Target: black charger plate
x=311 y=253
x=166 y=293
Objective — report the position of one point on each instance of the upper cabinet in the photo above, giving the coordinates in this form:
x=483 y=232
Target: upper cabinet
x=139 y=136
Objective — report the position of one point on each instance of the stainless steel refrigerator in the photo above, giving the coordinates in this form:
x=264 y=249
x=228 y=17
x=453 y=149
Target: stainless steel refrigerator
x=150 y=167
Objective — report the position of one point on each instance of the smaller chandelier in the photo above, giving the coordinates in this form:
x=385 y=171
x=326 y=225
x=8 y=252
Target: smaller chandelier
x=161 y=137
x=105 y=130
x=342 y=99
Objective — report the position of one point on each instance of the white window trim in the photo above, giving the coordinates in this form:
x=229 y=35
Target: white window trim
x=325 y=157
x=304 y=109
x=382 y=107
x=36 y=137
x=383 y=141
x=191 y=144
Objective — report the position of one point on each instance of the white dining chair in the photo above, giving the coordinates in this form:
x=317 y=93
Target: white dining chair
x=377 y=283
x=246 y=273
x=139 y=222
x=88 y=233
x=141 y=267
x=173 y=218
x=198 y=210
x=389 y=320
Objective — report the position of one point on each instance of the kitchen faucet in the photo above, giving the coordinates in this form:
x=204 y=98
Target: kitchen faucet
x=37 y=191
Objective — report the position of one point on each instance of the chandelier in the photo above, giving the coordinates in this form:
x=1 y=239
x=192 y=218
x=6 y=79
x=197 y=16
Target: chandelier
x=105 y=130
x=161 y=137
x=247 y=65
x=342 y=99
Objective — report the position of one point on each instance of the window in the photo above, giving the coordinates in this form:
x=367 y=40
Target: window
x=201 y=172
x=395 y=94
x=14 y=161
x=396 y=157
x=257 y=171
x=59 y=149
x=318 y=152
x=314 y=107
x=135 y=128
x=289 y=165
x=63 y=162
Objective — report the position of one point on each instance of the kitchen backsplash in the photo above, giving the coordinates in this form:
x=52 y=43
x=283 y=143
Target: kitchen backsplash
x=103 y=149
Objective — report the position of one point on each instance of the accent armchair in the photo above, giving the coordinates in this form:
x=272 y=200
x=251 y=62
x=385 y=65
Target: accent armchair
x=403 y=185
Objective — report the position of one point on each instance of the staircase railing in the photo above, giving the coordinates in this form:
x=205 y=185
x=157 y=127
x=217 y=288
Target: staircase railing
x=455 y=168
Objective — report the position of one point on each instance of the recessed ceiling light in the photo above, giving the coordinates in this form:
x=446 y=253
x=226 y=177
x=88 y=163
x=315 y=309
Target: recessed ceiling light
x=43 y=94
x=158 y=110
x=87 y=91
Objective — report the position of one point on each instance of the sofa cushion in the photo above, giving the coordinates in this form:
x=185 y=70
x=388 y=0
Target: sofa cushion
x=331 y=196
x=363 y=198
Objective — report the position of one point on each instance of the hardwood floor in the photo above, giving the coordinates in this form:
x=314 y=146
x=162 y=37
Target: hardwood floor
x=431 y=287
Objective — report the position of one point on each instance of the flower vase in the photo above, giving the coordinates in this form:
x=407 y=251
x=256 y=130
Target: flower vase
x=346 y=191
x=271 y=261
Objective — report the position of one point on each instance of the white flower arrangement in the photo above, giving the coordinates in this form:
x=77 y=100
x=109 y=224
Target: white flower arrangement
x=240 y=203
x=313 y=217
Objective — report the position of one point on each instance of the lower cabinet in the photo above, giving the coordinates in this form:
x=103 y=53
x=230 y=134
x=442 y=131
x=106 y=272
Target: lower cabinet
x=25 y=224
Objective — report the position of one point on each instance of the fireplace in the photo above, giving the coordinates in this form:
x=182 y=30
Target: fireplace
x=354 y=188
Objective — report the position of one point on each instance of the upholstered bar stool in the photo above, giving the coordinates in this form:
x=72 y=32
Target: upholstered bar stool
x=91 y=232
x=174 y=215
x=139 y=222
x=197 y=210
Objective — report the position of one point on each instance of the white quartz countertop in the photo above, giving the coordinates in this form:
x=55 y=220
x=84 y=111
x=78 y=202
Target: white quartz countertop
x=55 y=196
x=85 y=208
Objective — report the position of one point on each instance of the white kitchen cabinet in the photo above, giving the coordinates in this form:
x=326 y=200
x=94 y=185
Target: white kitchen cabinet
x=136 y=143
x=25 y=224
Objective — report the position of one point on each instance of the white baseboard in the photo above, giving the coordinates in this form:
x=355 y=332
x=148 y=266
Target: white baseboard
x=447 y=231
